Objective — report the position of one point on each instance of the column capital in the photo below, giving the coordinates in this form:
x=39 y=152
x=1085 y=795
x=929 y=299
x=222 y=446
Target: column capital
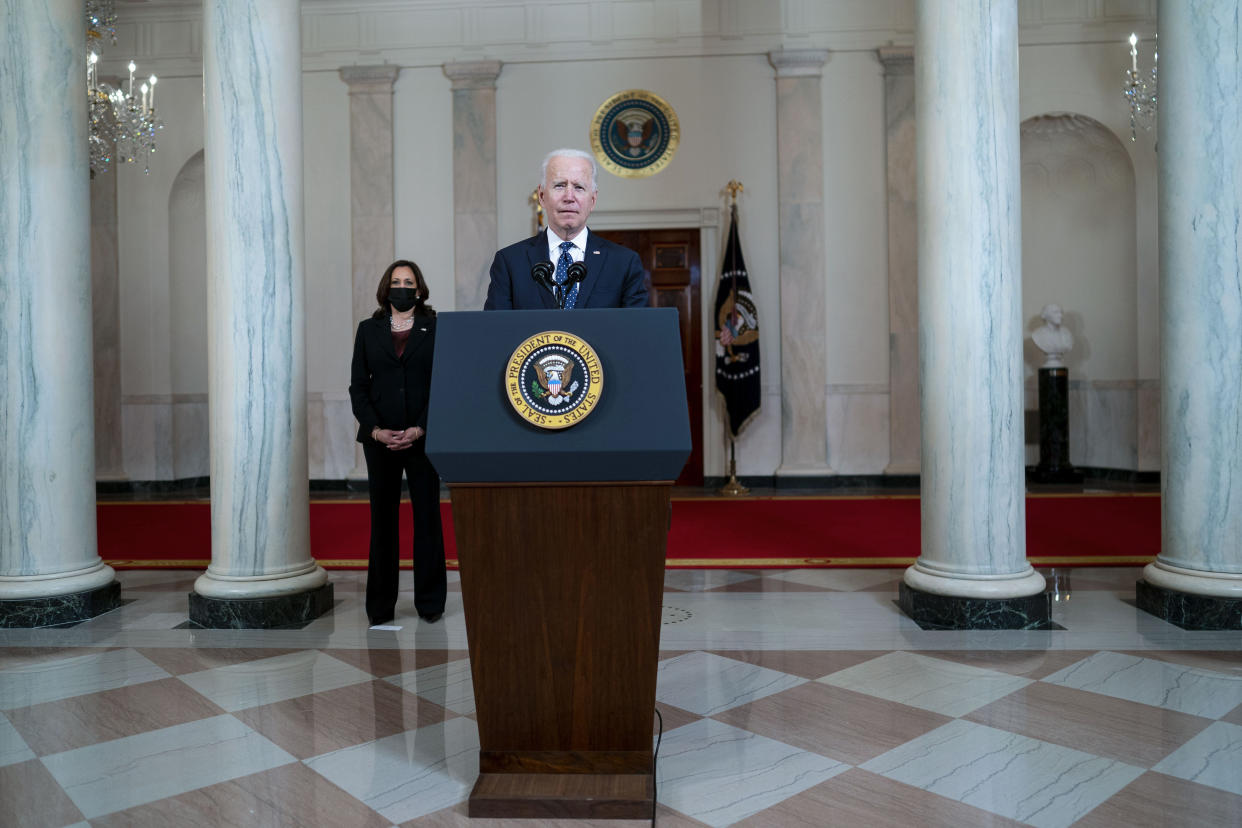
x=473 y=74
x=798 y=63
x=369 y=79
x=896 y=60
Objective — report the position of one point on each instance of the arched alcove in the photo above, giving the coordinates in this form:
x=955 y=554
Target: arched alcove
x=1079 y=251
x=187 y=300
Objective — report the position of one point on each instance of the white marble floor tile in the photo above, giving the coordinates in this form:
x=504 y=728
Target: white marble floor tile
x=844 y=580
x=799 y=620
x=13 y=747
x=1150 y=681
x=706 y=684
x=268 y=680
x=448 y=685
x=929 y=683
x=720 y=774
x=410 y=774
x=74 y=676
x=122 y=773
x=700 y=580
x=1214 y=757
x=1035 y=782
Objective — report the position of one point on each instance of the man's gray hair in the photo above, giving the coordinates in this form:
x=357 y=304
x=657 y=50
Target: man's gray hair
x=570 y=153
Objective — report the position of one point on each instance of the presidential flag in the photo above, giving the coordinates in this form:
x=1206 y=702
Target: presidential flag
x=737 y=336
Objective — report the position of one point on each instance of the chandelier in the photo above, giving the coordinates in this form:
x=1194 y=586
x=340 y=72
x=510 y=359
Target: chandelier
x=1140 y=93
x=121 y=120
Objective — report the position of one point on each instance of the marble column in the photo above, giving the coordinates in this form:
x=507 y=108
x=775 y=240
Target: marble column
x=261 y=572
x=1196 y=581
x=475 y=227
x=50 y=570
x=973 y=571
x=370 y=191
x=106 y=315
x=903 y=274
x=800 y=205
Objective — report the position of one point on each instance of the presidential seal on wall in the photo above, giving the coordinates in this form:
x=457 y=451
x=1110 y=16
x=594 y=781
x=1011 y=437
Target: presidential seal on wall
x=634 y=134
x=554 y=380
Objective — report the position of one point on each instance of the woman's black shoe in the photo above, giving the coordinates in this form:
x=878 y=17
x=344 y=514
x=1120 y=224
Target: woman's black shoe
x=431 y=617
x=376 y=620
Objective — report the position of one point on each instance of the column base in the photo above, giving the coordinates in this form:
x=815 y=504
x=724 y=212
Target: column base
x=49 y=611
x=1188 y=610
x=260 y=613
x=950 y=612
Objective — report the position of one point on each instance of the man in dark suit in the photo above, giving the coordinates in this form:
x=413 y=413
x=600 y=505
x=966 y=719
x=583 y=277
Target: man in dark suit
x=614 y=277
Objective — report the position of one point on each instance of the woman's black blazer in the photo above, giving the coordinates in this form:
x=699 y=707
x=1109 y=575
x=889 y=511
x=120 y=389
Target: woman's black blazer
x=386 y=390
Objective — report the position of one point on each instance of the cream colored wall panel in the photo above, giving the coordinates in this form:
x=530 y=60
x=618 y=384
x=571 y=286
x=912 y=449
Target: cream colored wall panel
x=639 y=20
x=1056 y=11
x=1124 y=9
x=503 y=24
x=423 y=172
x=173 y=38
x=326 y=32
x=403 y=28
x=850 y=15
x=326 y=211
x=855 y=220
x=748 y=17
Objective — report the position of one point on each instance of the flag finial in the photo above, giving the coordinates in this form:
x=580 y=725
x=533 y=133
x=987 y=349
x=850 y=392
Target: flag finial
x=734 y=187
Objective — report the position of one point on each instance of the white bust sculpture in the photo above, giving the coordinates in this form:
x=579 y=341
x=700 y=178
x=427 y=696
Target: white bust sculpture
x=1051 y=338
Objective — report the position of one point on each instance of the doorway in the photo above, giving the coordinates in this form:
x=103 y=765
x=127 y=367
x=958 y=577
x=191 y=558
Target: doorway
x=671 y=261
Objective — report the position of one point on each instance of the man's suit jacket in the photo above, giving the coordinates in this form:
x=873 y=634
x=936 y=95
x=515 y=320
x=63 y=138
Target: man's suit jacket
x=614 y=277
x=386 y=390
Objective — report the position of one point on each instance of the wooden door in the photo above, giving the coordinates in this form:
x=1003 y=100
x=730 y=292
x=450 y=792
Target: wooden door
x=671 y=260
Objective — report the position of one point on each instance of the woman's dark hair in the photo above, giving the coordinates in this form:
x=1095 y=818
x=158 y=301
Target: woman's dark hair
x=381 y=292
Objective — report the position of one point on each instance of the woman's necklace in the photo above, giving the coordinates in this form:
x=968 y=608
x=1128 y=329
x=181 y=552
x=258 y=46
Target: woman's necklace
x=400 y=324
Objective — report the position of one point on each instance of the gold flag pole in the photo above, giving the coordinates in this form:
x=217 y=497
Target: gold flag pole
x=733 y=488
x=537 y=218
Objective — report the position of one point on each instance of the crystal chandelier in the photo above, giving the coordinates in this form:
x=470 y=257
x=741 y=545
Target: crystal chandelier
x=1140 y=93
x=121 y=120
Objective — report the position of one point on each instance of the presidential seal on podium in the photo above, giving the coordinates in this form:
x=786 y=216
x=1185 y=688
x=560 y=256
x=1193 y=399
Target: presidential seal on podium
x=634 y=134
x=553 y=380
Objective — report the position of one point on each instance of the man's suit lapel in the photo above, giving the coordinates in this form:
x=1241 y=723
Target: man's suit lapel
x=537 y=251
x=595 y=261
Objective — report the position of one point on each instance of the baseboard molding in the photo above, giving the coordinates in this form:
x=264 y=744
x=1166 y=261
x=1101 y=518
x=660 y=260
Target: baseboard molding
x=710 y=483
x=836 y=481
x=184 y=484
x=1119 y=475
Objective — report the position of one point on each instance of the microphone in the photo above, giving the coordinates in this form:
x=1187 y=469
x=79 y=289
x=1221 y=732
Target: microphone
x=542 y=273
x=576 y=272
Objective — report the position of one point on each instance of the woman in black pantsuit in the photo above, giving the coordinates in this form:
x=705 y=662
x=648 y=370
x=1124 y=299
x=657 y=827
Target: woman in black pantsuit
x=390 y=382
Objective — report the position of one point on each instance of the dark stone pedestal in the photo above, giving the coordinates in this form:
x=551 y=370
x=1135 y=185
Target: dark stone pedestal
x=1054 y=463
x=1187 y=610
x=260 y=613
x=947 y=612
x=60 y=609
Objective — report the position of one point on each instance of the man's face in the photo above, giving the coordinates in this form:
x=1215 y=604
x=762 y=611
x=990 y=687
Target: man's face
x=567 y=196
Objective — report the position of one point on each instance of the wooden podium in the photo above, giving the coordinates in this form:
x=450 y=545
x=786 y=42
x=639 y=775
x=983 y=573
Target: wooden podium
x=561 y=540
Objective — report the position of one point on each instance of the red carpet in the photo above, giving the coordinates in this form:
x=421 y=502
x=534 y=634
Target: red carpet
x=773 y=533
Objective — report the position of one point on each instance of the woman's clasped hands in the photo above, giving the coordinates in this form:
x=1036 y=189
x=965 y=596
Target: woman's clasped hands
x=398 y=440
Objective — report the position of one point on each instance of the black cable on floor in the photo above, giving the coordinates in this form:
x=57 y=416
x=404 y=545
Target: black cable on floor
x=655 y=798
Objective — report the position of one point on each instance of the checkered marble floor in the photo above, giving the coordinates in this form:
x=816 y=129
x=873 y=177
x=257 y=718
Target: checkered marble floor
x=791 y=698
